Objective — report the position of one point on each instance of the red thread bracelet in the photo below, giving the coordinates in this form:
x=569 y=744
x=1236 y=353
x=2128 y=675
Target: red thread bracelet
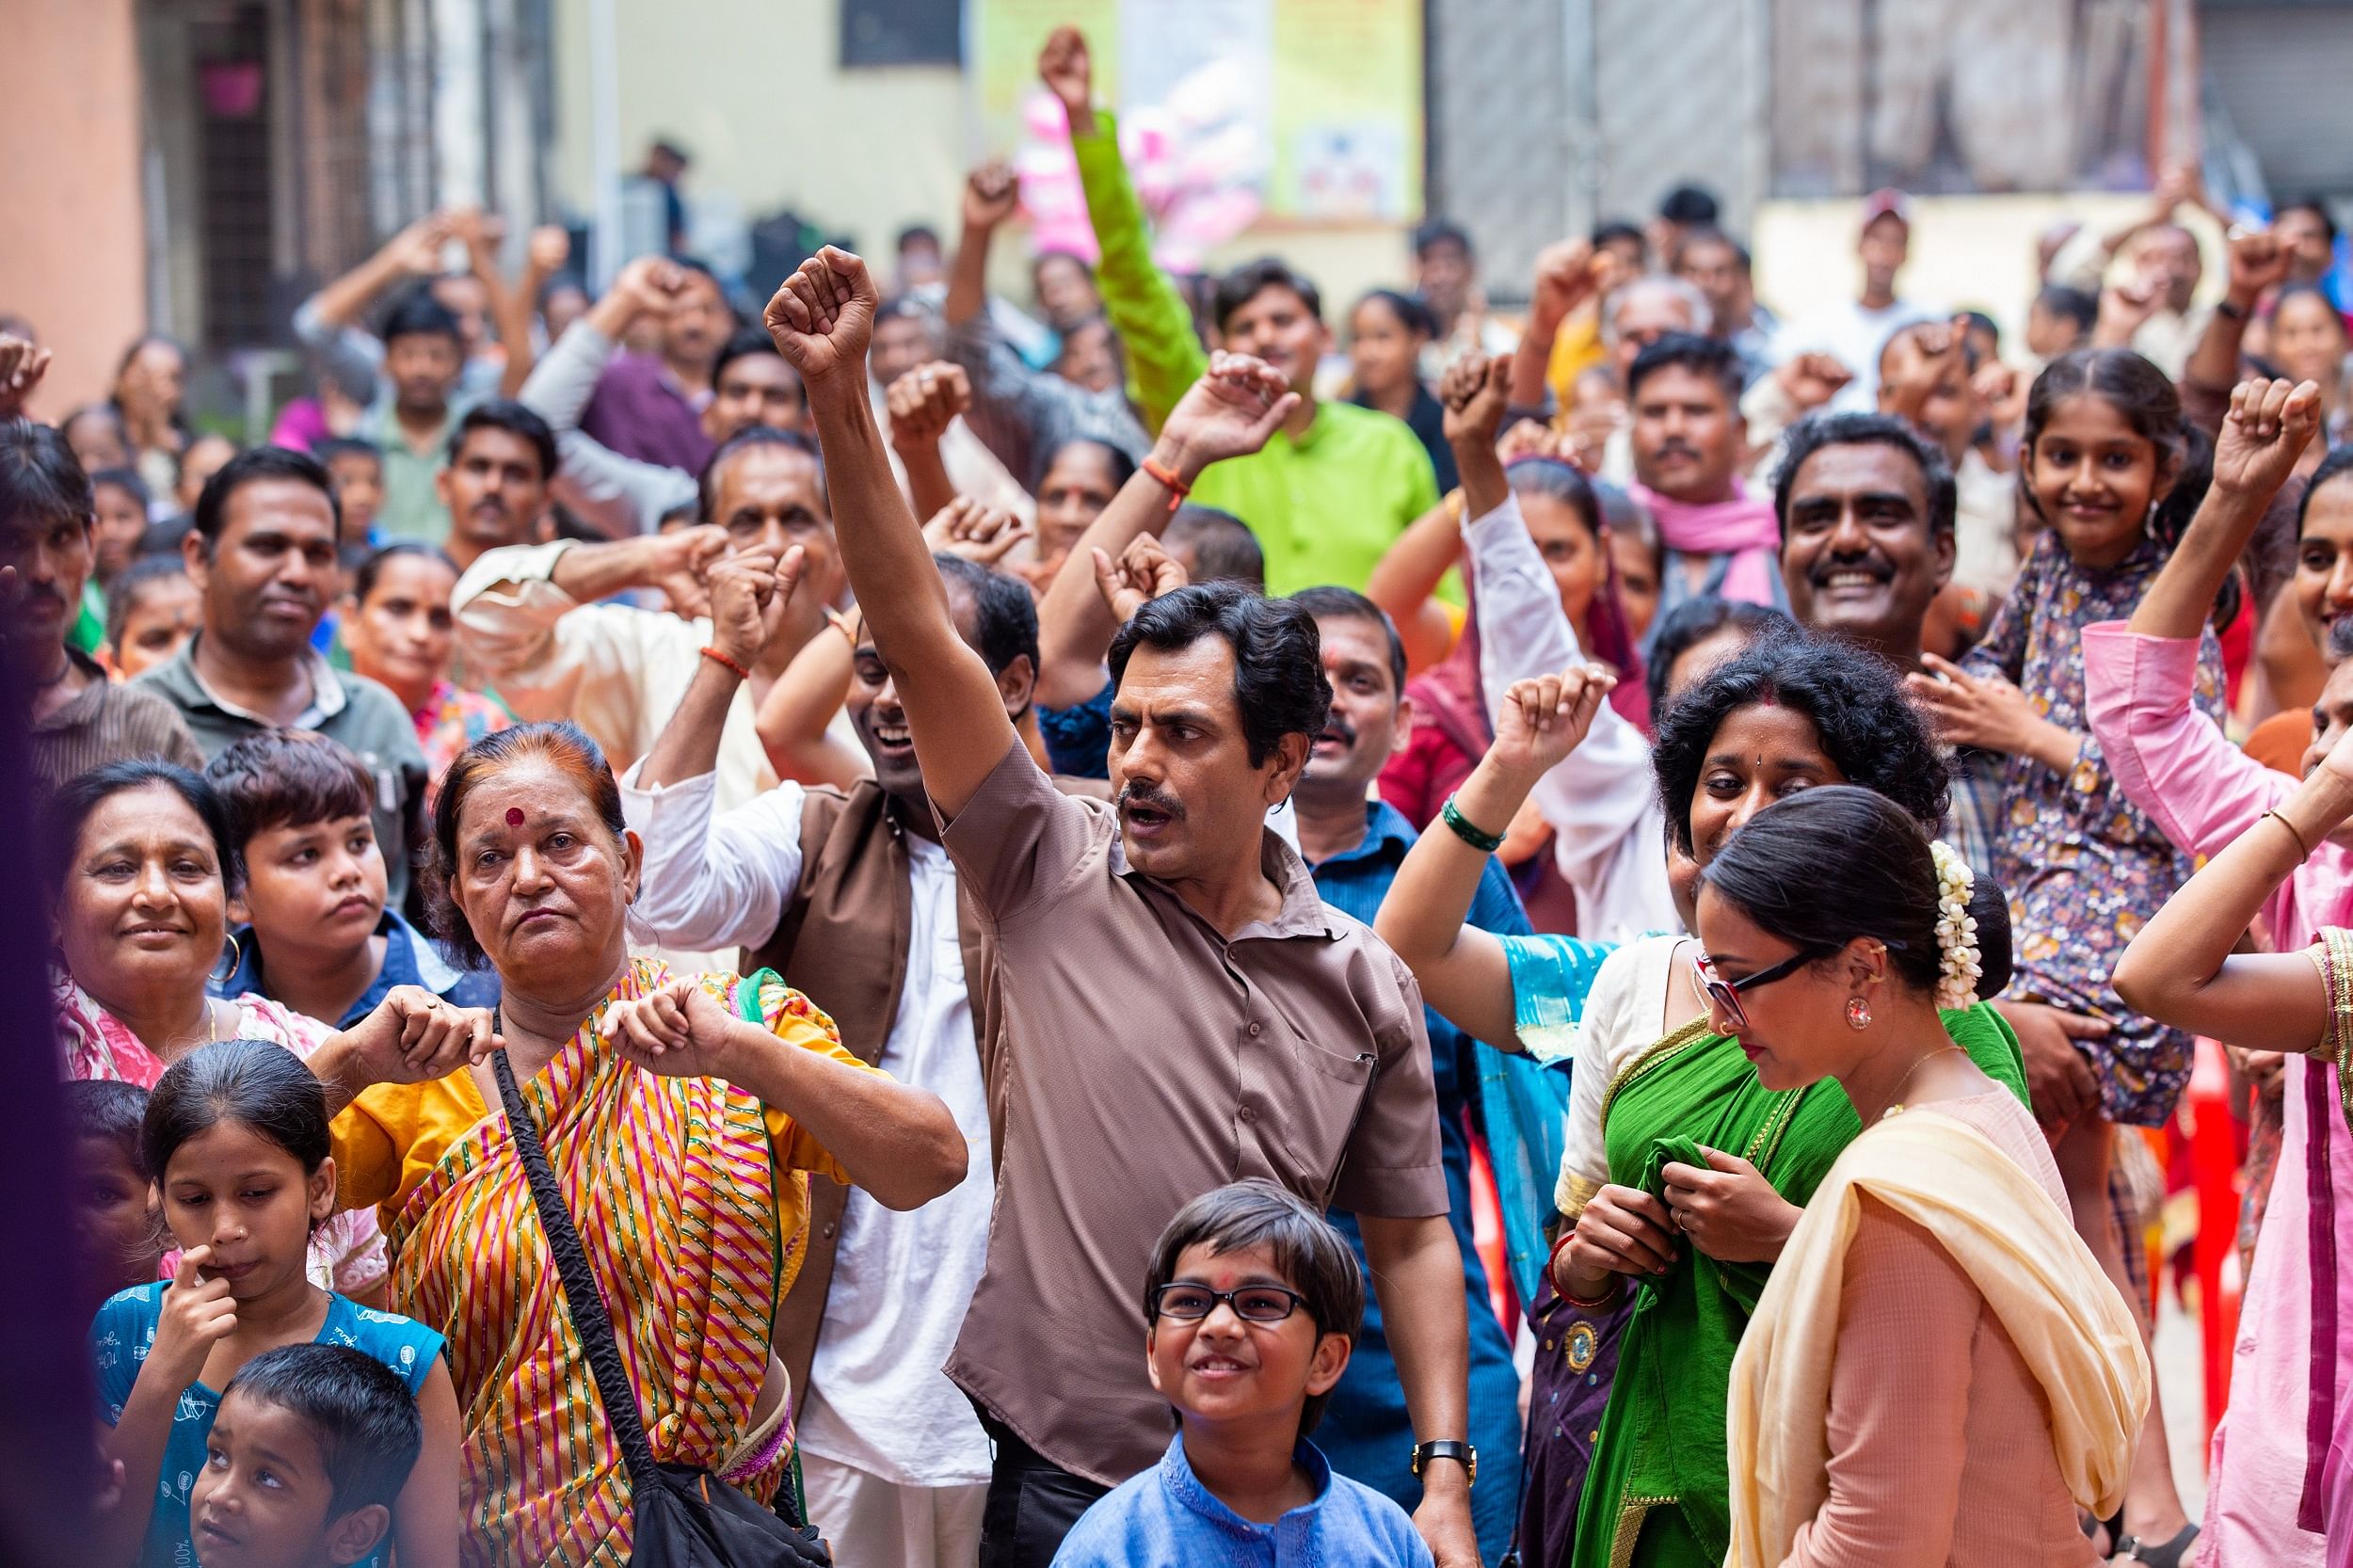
x=714 y=655
x=1177 y=488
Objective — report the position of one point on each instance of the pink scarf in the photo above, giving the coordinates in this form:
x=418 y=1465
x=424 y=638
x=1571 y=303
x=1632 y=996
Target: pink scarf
x=1743 y=527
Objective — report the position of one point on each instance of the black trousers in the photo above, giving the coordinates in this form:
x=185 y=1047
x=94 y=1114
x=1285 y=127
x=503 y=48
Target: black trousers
x=1033 y=1502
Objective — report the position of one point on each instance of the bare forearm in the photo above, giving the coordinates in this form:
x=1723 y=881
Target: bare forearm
x=967 y=276
x=895 y=1140
x=615 y=313
x=1484 y=488
x=342 y=301
x=1417 y=1275
x=1462 y=971
x=588 y=572
x=1531 y=363
x=2178 y=601
x=688 y=747
x=1074 y=625
x=795 y=714
x=2055 y=747
x=1409 y=570
x=2214 y=363
x=927 y=477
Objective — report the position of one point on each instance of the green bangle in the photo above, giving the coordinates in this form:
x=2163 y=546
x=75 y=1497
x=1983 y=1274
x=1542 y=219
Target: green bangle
x=1486 y=843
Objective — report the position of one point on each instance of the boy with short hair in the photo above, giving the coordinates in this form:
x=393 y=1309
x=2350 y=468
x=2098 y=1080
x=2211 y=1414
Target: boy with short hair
x=119 y=1233
x=1252 y=1306
x=335 y=1433
x=319 y=938
x=357 y=468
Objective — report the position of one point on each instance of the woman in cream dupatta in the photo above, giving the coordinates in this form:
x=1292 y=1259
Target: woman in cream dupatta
x=1933 y=1312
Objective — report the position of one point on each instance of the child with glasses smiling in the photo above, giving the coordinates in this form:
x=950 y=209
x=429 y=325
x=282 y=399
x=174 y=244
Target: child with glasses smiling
x=1250 y=1310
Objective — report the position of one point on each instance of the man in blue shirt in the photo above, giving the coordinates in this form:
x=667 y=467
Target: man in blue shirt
x=1354 y=843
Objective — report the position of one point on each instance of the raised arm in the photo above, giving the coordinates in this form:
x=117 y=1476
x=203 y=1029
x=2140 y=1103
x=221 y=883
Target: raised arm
x=509 y=308
x=414 y=252
x=1568 y=275
x=2258 y=263
x=1229 y=413
x=1154 y=323
x=922 y=404
x=794 y=716
x=1405 y=581
x=1463 y=970
x=2180 y=970
x=991 y=195
x=544 y=254
x=2268 y=425
x=822 y=319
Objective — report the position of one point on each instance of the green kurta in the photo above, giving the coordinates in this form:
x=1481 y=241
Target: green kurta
x=1657 y=1493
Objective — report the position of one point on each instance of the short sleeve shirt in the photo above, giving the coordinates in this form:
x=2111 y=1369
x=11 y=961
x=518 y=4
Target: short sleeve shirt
x=1137 y=1058
x=124 y=1331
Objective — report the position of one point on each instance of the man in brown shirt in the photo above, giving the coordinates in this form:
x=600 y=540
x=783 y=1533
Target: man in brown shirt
x=80 y=719
x=1174 y=1006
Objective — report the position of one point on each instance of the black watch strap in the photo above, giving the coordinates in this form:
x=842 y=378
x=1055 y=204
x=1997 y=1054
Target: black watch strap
x=1447 y=1447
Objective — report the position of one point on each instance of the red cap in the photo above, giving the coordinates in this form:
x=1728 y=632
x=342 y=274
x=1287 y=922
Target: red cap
x=1887 y=203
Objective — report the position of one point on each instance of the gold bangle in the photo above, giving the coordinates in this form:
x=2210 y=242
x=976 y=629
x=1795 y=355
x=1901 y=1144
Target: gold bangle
x=2293 y=832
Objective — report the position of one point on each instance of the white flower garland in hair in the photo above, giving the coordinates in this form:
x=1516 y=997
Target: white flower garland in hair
x=1960 y=962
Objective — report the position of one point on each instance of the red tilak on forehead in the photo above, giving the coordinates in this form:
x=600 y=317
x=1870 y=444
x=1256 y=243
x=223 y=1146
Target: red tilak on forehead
x=514 y=816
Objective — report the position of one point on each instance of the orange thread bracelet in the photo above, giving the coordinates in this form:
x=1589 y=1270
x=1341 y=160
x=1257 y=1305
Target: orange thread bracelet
x=713 y=654
x=1177 y=488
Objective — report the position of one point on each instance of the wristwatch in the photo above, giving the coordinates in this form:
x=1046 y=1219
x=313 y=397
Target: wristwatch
x=1447 y=1447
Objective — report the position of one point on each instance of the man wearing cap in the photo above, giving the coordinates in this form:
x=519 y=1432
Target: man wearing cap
x=1854 y=331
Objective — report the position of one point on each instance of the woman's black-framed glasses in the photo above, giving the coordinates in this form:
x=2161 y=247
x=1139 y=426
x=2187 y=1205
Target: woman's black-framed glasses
x=1252 y=1303
x=1726 y=994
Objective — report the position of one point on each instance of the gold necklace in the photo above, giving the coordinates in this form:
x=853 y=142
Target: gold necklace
x=1906 y=1083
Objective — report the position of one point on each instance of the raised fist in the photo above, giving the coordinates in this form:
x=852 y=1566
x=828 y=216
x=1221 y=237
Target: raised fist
x=925 y=401
x=821 y=317
x=991 y=195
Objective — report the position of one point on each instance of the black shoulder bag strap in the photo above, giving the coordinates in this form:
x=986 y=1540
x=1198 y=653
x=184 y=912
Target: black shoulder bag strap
x=580 y=1293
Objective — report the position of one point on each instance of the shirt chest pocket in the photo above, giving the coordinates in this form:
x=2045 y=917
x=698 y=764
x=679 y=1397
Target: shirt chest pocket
x=1301 y=1101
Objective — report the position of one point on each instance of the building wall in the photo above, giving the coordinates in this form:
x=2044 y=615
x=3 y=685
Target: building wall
x=70 y=153
x=754 y=91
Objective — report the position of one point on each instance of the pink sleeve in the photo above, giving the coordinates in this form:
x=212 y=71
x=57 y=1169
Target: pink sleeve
x=2169 y=759
x=1899 y=1402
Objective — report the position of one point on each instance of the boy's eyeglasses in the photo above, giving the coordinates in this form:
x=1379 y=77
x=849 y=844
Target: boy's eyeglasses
x=1726 y=994
x=1252 y=1303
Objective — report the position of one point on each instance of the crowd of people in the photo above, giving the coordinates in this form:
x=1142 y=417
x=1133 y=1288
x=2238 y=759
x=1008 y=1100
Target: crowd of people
x=1579 y=925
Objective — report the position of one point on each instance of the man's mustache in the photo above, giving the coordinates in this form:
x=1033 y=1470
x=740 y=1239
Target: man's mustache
x=1152 y=799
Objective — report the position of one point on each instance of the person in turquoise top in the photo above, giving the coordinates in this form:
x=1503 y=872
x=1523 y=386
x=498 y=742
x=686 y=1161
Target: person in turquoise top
x=1334 y=490
x=236 y=1134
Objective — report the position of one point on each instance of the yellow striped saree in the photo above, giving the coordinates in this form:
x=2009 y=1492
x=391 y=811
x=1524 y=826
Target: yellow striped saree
x=692 y=1200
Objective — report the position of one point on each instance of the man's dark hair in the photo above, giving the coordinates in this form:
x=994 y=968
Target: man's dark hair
x=1700 y=355
x=327 y=451
x=1327 y=598
x=1004 y=615
x=1611 y=229
x=1826 y=865
x=251 y=466
x=706 y=485
x=1411 y=314
x=41 y=480
x=917 y=234
x=357 y=1409
x=418 y=314
x=503 y=413
x=2315 y=206
x=1252 y=278
x=1433 y=233
x=669 y=148
x=288 y=778
x=2074 y=304
x=747 y=341
x=1313 y=1257
x=1867 y=724
x=125 y=480
x=1279 y=687
x=1223 y=548
x=1691 y=207
x=1817 y=431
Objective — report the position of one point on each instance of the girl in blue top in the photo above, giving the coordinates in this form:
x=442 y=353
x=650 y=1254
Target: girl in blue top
x=236 y=1135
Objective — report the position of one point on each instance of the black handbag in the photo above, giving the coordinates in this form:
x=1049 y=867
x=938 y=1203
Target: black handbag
x=683 y=1517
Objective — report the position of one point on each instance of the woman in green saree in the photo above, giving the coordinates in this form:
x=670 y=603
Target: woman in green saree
x=1660 y=1108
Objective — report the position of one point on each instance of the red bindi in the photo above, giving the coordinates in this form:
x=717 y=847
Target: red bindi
x=514 y=816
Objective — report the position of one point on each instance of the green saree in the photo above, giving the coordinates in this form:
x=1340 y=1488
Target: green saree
x=1657 y=1493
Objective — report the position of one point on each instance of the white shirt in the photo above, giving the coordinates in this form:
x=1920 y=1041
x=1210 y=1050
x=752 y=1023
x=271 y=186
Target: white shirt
x=878 y=1399
x=1610 y=833
x=1853 y=336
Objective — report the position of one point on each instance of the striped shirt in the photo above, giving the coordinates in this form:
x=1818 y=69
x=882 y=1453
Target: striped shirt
x=108 y=723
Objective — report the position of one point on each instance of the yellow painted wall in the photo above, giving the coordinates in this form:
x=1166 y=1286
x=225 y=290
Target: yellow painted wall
x=73 y=261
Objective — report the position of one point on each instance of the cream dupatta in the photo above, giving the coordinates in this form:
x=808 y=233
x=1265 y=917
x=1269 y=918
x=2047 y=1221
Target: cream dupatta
x=2020 y=1250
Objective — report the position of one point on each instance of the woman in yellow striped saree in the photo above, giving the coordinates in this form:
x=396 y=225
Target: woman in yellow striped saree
x=682 y=1132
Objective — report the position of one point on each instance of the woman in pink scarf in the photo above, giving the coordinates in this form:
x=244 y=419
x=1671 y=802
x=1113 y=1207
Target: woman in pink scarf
x=2276 y=1495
